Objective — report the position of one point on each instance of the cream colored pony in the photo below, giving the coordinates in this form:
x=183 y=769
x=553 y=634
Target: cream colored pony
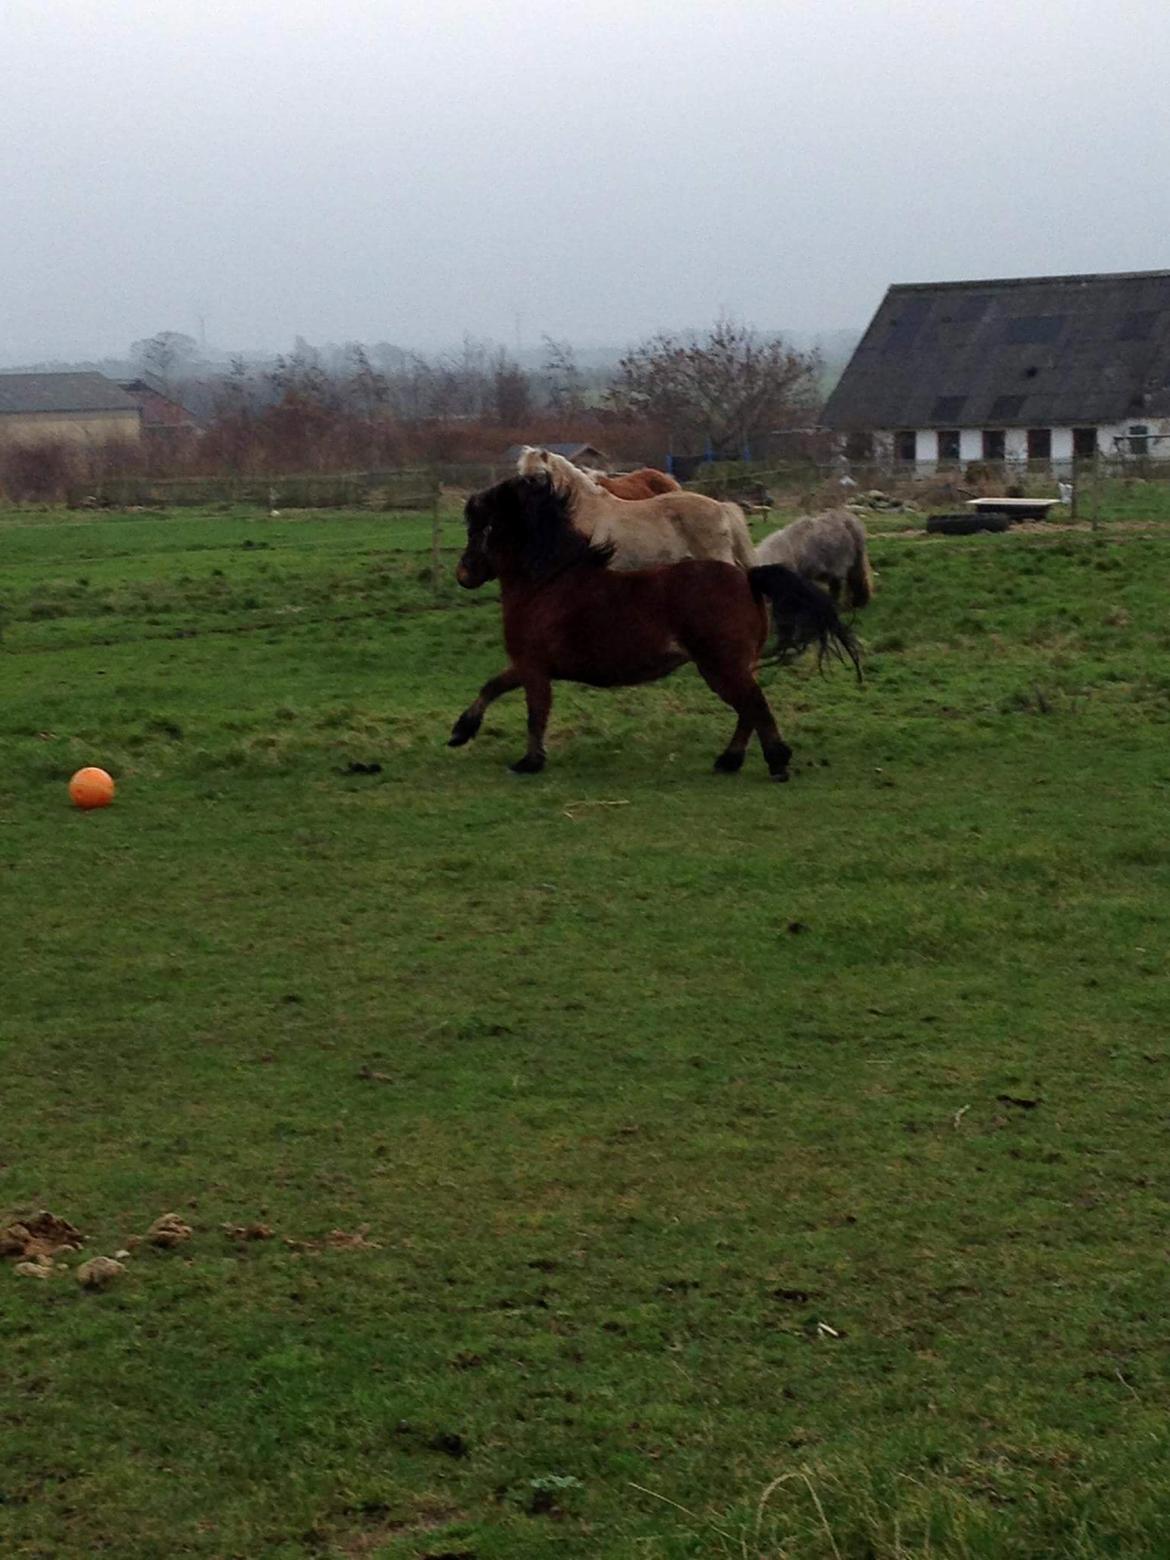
x=645 y=532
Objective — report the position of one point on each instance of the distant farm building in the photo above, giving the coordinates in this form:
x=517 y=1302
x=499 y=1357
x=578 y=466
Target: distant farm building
x=1044 y=369
x=579 y=454
x=84 y=407
x=161 y=413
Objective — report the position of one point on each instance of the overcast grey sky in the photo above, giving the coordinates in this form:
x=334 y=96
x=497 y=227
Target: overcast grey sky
x=407 y=171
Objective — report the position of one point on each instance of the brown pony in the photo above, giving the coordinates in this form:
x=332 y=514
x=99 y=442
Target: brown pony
x=568 y=617
x=646 y=482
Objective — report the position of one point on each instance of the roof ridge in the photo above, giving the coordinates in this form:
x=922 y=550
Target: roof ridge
x=54 y=373
x=1030 y=281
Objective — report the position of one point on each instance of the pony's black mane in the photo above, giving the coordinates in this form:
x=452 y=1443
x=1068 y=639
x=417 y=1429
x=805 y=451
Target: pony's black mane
x=533 y=524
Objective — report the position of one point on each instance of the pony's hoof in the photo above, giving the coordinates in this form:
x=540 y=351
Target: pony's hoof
x=463 y=730
x=729 y=763
x=780 y=776
x=527 y=765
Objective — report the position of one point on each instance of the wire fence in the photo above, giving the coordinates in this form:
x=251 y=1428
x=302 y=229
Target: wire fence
x=415 y=488
x=1102 y=490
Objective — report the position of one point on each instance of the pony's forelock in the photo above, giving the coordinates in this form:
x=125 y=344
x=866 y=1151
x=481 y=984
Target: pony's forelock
x=532 y=462
x=566 y=478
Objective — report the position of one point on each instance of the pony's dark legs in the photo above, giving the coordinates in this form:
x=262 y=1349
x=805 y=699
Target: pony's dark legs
x=776 y=751
x=746 y=698
x=730 y=761
x=538 y=692
x=470 y=721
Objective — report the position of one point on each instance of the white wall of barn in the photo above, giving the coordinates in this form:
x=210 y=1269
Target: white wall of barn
x=1159 y=429
x=1112 y=440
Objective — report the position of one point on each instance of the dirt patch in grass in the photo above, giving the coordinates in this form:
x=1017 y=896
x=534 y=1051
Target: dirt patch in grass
x=379 y=1529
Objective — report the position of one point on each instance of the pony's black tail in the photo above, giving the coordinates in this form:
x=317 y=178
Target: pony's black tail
x=803 y=615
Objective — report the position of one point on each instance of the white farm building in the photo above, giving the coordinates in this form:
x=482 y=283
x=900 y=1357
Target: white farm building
x=1044 y=369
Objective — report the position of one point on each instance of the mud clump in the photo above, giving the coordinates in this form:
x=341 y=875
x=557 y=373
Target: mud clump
x=241 y=1233
x=99 y=1272
x=168 y=1231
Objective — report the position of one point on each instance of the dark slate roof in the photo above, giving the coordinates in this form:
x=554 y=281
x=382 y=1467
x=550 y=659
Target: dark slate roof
x=1045 y=351
x=62 y=393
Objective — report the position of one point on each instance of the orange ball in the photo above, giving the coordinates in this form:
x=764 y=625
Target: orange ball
x=91 y=788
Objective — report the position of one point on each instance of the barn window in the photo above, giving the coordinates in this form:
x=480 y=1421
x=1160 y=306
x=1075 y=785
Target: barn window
x=859 y=446
x=1139 y=439
x=947 y=408
x=1034 y=328
x=1039 y=443
x=994 y=444
x=1084 y=443
x=1007 y=407
x=948 y=444
x=906 y=445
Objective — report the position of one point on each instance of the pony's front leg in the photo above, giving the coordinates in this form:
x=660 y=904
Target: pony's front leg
x=470 y=721
x=538 y=692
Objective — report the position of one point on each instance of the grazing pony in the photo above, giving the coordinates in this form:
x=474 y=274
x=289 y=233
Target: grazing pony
x=645 y=533
x=569 y=617
x=827 y=549
x=646 y=482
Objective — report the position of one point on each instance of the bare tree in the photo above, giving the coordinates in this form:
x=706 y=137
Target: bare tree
x=165 y=356
x=565 y=389
x=302 y=376
x=728 y=389
x=511 y=391
x=366 y=389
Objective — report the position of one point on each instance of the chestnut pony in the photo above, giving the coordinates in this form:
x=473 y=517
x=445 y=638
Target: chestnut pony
x=569 y=617
x=646 y=482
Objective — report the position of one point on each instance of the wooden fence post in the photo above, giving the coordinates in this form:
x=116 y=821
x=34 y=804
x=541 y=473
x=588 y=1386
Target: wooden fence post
x=436 y=539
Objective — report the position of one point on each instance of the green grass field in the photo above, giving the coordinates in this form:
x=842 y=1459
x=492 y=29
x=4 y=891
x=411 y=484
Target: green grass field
x=740 y=1170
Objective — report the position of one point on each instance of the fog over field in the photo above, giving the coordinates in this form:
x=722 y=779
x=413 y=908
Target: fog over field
x=406 y=171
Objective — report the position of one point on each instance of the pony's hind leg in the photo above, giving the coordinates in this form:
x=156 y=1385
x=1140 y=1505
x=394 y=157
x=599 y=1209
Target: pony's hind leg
x=470 y=721
x=744 y=694
x=730 y=761
x=538 y=692
x=777 y=753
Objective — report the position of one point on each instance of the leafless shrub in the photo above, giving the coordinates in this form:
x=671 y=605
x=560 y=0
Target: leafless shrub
x=40 y=471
